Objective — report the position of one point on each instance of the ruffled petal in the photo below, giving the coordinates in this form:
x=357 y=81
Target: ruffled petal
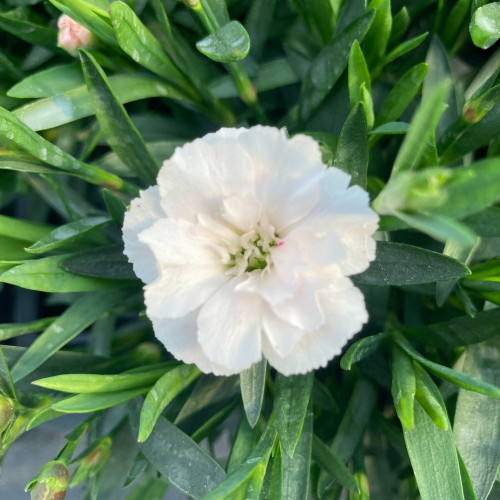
x=229 y=327
x=181 y=289
x=281 y=335
x=143 y=213
x=345 y=314
x=180 y=339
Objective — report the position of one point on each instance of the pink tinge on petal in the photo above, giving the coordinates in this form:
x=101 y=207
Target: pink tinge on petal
x=72 y=35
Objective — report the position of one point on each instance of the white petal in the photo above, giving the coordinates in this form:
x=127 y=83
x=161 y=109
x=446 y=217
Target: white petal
x=181 y=289
x=282 y=336
x=303 y=310
x=143 y=212
x=200 y=176
x=345 y=315
x=243 y=212
x=229 y=327
x=180 y=339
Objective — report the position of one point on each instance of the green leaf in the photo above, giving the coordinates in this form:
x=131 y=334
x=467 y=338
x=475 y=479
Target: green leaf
x=358 y=74
x=49 y=82
x=332 y=464
x=23 y=137
x=351 y=428
x=400 y=96
x=252 y=384
x=427 y=394
x=46 y=275
x=6 y=384
x=116 y=124
x=16 y=23
x=477 y=419
x=177 y=457
x=227 y=44
x=422 y=128
x=404 y=48
x=485 y=25
x=161 y=394
x=351 y=154
x=466 y=482
x=296 y=469
x=92 y=383
x=260 y=454
x=400 y=264
x=11 y=330
x=431 y=449
x=67 y=233
x=75 y=104
x=89 y=402
x=291 y=399
x=116 y=207
x=455 y=377
x=376 y=39
x=460 y=331
x=403 y=387
x=329 y=65
x=141 y=45
x=103 y=262
x=81 y=314
x=391 y=128
x=243 y=444
x=361 y=349
x=272 y=487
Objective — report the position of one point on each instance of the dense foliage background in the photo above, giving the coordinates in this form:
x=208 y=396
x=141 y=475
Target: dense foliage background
x=403 y=95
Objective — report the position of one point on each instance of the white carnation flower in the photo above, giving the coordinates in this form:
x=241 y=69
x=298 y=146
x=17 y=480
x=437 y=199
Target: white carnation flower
x=245 y=246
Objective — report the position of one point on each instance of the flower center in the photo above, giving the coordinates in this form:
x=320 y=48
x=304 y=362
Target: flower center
x=254 y=252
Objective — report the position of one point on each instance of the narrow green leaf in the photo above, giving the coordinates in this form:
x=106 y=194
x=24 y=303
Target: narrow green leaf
x=260 y=453
x=351 y=428
x=351 y=154
x=455 y=377
x=177 y=457
x=291 y=399
x=485 y=25
x=75 y=104
x=161 y=394
x=421 y=129
x=466 y=482
x=243 y=444
x=400 y=96
x=22 y=136
x=427 y=394
x=142 y=46
x=23 y=229
x=358 y=74
x=332 y=464
x=403 y=387
x=11 y=330
x=477 y=419
x=67 y=233
x=228 y=43
x=252 y=384
x=361 y=349
x=89 y=402
x=115 y=122
x=88 y=382
x=377 y=38
x=272 y=488
x=296 y=469
x=6 y=383
x=391 y=128
x=103 y=262
x=46 y=275
x=400 y=264
x=404 y=48
x=329 y=65
x=49 y=82
x=432 y=450
x=81 y=314
x=116 y=207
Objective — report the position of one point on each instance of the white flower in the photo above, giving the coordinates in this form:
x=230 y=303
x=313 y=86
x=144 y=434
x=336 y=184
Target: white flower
x=72 y=35
x=245 y=247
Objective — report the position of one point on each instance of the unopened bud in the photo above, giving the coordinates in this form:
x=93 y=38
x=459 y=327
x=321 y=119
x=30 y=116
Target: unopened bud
x=6 y=413
x=92 y=461
x=147 y=353
x=51 y=482
x=72 y=35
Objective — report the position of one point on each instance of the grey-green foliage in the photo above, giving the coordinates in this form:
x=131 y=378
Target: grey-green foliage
x=402 y=96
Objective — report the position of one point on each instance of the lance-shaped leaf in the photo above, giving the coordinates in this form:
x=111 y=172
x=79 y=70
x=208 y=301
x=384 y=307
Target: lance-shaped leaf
x=403 y=387
x=116 y=124
x=252 y=383
x=485 y=25
x=361 y=349
x=291 y=399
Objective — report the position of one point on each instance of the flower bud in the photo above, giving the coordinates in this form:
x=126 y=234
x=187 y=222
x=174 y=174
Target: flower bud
x=92 y=461
x=72 y=35
x=147 y=353
x=6 y=413
x=51 y=482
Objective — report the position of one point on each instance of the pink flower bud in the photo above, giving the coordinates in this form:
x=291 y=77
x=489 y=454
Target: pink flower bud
x=72 y=35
